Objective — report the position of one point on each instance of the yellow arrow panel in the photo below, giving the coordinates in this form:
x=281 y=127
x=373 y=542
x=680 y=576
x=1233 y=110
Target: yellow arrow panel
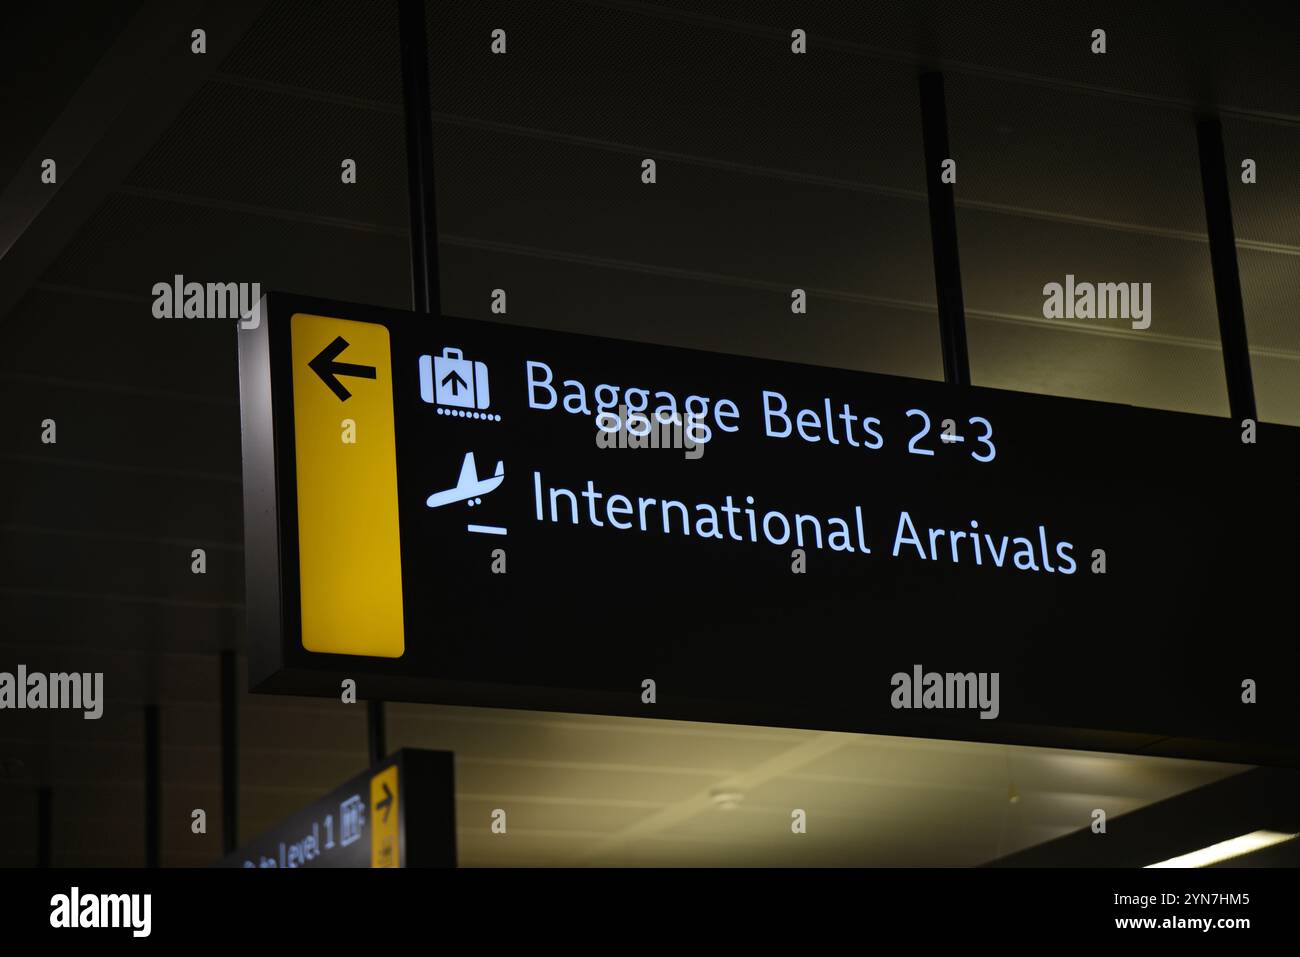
x=385 y=849
x=349 y=550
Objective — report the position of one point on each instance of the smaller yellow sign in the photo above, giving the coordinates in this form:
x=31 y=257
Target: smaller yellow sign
x=385 y=849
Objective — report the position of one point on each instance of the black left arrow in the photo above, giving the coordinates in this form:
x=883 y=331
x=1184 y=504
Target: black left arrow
x=387 y=802
x=329 y=370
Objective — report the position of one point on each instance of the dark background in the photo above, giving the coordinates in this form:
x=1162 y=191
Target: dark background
x=775 y=171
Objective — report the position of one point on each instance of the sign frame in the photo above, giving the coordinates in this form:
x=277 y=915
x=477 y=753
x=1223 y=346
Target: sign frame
x=273 y=588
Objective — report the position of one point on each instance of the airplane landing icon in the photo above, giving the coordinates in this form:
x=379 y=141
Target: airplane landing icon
x=469 y=487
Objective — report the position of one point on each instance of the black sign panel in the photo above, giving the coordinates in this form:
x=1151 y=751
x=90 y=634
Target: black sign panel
x=400 y=813
x=587 y=524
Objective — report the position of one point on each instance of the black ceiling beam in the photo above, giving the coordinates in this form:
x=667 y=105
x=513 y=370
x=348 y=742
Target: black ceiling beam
x=943 y=232
x=125 y=104
x=1223 y=262
x=1260 y=799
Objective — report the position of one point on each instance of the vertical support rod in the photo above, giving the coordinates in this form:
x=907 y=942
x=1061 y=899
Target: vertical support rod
x=943 y=232
x=418 y=109
x=229 y=752
x=45 y=826
x=375 y=731
x=1223 y=261
x=426 y=294
x=152 y=787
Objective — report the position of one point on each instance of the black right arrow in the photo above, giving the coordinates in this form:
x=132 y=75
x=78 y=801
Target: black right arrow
x=387 y=803
x=328 y=370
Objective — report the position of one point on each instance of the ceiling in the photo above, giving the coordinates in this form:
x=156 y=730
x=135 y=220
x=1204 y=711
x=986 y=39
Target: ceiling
x=578 y=790
x=774 y=172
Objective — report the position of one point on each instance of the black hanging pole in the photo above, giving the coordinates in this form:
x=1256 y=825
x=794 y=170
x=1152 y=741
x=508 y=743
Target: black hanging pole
x=1223 y=262
x=45 y=826
x=943 y=232
x=418 y=109
x=229 y=752
x=426 y=295
x=376 y=735
x=152 y=787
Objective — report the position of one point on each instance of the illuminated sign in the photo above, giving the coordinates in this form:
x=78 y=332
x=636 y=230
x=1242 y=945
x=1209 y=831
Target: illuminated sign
x=400 y=813
x=478 y=513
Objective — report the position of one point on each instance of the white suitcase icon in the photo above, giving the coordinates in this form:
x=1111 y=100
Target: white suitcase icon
x=451 y=379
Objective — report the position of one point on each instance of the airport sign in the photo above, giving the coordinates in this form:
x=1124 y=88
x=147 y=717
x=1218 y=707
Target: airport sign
x=482 y=513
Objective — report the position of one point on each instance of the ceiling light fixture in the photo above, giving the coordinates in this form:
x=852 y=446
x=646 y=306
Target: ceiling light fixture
x=1237 y=846
x=726 y=800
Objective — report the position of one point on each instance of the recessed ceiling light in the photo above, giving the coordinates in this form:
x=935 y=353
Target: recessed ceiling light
x=726 y=800
x=1237 y=846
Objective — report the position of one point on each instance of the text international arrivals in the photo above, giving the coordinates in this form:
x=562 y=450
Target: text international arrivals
x=749 y=522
